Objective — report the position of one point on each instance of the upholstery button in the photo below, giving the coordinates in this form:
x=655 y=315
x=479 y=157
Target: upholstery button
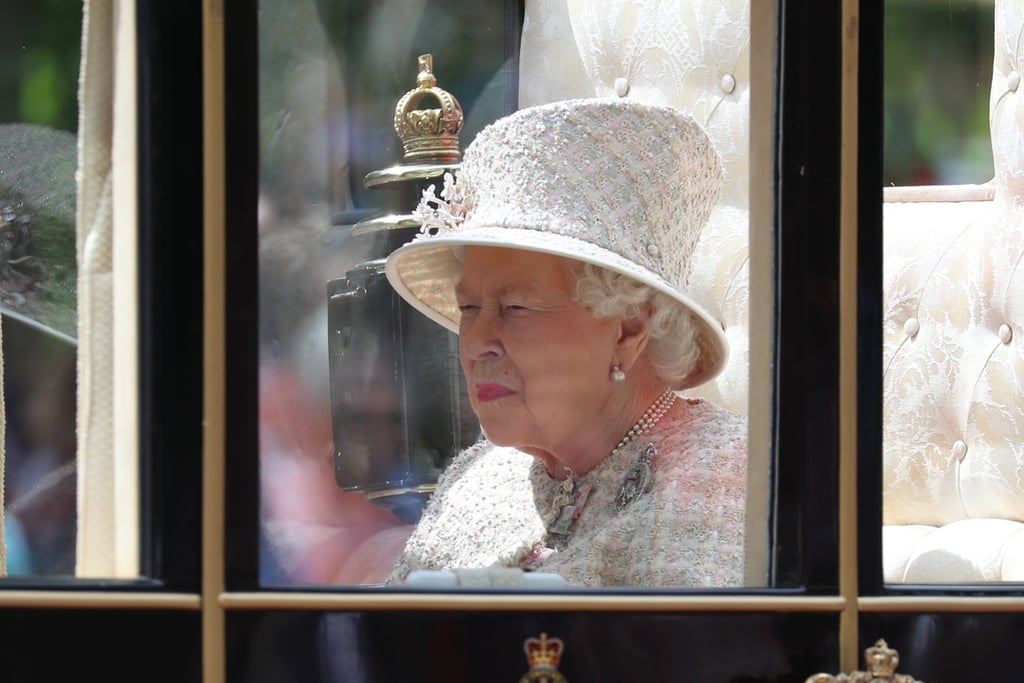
x=621 y=86
x=911 y=327
x=1005 y=333
x=728 y=84
x=959 y=450
x=653 y=250
x=1013 y=81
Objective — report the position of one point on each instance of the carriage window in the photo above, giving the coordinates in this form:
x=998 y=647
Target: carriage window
x=38 y=123
x=68 y=293
x=952 y=499
x=364 y=397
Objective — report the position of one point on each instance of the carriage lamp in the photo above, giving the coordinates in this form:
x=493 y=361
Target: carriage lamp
x=400 y=410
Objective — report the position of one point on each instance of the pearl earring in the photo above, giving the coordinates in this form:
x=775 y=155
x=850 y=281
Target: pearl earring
x=618 y=375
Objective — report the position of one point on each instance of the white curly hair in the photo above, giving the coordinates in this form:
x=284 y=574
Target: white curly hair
x=673 y=333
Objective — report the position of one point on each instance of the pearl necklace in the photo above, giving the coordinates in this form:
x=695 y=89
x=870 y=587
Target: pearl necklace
x=651 y=417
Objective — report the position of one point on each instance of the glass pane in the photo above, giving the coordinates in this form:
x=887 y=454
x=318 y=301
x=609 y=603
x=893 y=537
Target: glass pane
x=363 y=400
x=39 y=56
x=953 y=506
x=330 y=77
x=938 y=66
x=70 y=342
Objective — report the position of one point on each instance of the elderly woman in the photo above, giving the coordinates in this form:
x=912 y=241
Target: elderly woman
x=560 y=256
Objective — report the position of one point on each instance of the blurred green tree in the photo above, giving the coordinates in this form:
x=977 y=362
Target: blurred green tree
x=938 y=72
x=40 y=48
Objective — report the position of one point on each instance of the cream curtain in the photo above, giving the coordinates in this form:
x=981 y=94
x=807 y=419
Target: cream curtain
x=108 y=480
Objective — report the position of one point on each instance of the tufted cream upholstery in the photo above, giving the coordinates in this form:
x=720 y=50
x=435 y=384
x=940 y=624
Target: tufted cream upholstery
x=693 y=56
x=954 y=300
x=953 y=474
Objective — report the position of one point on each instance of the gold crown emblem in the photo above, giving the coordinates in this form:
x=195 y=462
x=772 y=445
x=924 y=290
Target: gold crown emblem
x=881 y=662
x=429 y=135
x=543 y=652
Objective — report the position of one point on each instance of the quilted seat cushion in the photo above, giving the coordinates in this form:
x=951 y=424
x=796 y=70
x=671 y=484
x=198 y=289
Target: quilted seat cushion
x=968 y=551
x=953 y=362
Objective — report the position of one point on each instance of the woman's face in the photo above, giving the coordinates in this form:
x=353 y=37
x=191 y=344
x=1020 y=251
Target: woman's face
x=537 y=362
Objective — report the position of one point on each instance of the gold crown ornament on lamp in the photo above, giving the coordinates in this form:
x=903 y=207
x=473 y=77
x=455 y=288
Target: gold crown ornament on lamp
x=543 y=655
x=430 y=136
x=881 y=662
x=393 y=445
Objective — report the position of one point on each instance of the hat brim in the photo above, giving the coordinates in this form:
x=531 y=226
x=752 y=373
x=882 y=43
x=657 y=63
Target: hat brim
x=425 y=271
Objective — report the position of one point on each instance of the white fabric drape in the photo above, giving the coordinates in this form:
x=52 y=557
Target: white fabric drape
x=108 y=482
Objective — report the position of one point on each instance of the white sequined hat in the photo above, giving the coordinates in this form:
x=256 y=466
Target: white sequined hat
x=623 y=185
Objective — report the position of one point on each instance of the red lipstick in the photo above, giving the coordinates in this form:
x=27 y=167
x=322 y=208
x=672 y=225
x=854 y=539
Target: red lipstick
x=492 y=392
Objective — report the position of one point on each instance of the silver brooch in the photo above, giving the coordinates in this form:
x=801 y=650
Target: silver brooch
x=638 y=480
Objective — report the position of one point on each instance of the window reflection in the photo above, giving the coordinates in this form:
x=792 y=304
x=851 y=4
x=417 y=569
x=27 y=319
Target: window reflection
x=954 y=372
x=938 y=65
x=330 y=76
x=39 y=392
x=39 y=54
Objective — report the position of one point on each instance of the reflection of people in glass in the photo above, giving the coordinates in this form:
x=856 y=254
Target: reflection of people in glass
x=38 y=308
x=561 y=257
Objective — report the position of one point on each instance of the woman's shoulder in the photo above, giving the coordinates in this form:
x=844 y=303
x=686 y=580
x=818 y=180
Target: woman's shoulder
x=485 y=459
x=696 y=514
x=699 y=414
x=481 y=511
x=479 y=472
x=702 y=456
x=703 y=429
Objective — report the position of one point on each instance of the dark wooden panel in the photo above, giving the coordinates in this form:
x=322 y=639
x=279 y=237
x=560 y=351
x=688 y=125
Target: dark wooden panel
x=951 y=648
x=434 y=646
x=59 y=645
